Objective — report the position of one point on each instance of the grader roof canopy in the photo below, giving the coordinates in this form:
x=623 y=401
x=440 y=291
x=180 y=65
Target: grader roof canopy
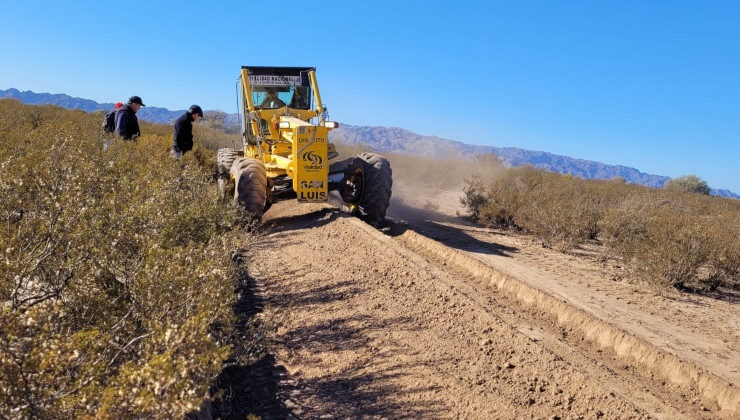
x=278 y=76
x=284 y=71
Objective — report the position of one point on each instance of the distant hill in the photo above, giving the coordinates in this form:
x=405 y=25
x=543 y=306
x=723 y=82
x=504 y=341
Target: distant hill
x=396 y=140
x=147 y=113
x=399 y=140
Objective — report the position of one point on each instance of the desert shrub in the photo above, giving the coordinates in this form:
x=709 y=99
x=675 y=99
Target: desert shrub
x=496 y=204
x=687 y=183
x=553 y=210
x=667 y=238
x=116 y=270
x=724 y=255
x=430 y=205
x=474 y=196
x=212 y=137
x=619 y=226
x=493 y=204
x=560 y=210
x=672 y=251
x=671 y=239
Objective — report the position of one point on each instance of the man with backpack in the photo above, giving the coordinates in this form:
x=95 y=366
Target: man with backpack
x=109 y=123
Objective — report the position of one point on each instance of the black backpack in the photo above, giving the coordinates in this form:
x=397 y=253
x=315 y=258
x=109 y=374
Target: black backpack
x=109 y=123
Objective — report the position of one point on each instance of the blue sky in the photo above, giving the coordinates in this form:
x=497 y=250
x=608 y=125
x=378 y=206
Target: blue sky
x=653 y=85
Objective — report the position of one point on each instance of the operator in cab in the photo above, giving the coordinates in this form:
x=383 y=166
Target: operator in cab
x=272 y=100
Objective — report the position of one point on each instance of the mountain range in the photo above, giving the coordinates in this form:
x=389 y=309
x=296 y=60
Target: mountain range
x=398 y=140
x=147 y=113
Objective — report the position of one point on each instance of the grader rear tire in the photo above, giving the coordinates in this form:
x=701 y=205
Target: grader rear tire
x=250 y=184
x=377 y=180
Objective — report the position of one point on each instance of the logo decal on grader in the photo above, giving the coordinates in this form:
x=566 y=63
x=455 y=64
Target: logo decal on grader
x=313 y=157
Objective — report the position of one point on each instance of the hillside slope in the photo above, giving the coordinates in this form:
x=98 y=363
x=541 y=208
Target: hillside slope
x=148 y=113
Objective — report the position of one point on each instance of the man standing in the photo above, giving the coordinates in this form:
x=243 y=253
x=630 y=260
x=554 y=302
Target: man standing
x=182 y=138
x=127 y=125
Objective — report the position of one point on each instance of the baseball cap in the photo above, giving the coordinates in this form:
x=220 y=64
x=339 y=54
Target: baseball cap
x=195 y=109
x=135 y=100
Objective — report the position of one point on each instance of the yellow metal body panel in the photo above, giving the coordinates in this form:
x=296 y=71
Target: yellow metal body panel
x=311 y=164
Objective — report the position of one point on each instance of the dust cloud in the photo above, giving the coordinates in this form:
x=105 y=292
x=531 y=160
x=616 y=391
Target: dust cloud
x=431 y=189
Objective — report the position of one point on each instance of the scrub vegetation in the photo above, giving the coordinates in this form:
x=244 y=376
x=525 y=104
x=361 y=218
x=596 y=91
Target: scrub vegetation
x=120 y=275
x=117 y=282
x=675 y=237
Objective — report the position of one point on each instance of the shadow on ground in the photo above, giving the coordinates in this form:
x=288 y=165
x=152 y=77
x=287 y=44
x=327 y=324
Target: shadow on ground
x=364 y=389
x=265 y=389
x=311 y=220
x=250 y=388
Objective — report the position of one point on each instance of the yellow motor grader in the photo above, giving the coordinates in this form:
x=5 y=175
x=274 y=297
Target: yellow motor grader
x=286 y=152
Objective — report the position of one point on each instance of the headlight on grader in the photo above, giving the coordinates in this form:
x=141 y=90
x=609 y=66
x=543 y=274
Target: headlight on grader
x=282 y=125
x=331 y=124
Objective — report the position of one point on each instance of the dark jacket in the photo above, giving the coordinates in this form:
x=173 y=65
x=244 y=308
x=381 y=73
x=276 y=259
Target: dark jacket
x=182 y=139
x=127 y=125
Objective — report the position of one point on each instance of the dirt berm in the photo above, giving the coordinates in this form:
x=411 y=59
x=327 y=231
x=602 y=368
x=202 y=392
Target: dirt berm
x=432 y=317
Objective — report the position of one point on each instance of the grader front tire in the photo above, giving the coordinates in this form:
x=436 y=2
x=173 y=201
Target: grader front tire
x=224 y=160
x=250 y=184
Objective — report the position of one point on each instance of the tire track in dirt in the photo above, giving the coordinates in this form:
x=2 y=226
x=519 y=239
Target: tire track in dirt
x=650 y=364
x=374 y=326
x=664 y=353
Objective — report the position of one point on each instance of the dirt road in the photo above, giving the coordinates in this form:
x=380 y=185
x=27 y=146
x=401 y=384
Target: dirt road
x=431 y=317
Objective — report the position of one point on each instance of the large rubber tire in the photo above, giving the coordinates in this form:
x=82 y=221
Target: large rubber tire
x=250 y=184
x=377 y=187
x=224 y=159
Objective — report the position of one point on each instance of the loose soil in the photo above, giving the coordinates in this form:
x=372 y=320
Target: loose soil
x=434 y=317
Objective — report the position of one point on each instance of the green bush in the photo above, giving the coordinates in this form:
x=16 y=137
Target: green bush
x=687 y=183
x=115 y=285
x=474 y=196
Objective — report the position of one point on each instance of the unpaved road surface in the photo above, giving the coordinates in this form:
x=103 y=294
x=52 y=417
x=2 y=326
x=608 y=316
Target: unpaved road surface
x=431 y=317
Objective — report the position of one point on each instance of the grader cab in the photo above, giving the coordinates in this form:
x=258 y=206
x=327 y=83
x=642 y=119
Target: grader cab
x=286 y=153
